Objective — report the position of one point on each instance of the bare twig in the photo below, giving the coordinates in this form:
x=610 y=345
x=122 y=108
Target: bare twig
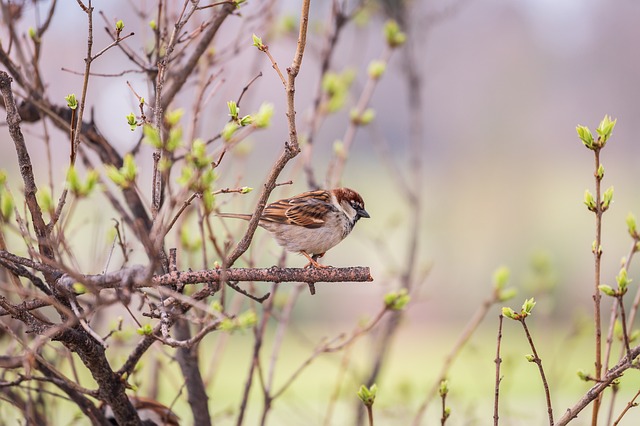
x=538 y=362
x=498 y=362
x=629 y=406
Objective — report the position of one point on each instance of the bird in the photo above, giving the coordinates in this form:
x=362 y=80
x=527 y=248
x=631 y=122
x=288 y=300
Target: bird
x=311 y=223
x=151 y=412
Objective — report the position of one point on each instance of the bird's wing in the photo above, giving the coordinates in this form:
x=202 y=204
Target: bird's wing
x=308 y=210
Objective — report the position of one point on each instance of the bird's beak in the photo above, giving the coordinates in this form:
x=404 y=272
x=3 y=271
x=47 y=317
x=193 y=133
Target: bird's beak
x=363 y=213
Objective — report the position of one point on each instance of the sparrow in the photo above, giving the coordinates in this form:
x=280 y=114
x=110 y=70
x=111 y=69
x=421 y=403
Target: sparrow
x=312 y=222
x=151 y=412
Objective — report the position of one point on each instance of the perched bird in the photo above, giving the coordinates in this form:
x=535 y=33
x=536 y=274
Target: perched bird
x=312 y=222
x=151 y=412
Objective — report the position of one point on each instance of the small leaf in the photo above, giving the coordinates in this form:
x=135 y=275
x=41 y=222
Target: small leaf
x=500 y=277
x=262 y=118
x=132 y=121
x=509 y=313
x=257 y=42
x=589 y=201
x=72 y=102
x=151 y=136
x=606 y=289
x=585 y=135
x=376 y=69
x=6 y=205
x=528 y=305
x=396 y=301
x=632 y=225
x=145 y=330
x=444 y=388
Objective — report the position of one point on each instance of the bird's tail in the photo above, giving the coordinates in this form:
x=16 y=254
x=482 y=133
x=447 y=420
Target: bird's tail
x=242 y=216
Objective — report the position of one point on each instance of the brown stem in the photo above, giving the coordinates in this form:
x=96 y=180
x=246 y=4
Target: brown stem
x=630 y=405
x=596 y=390
x=597 y=252
x=538 y=362
x=498 y=362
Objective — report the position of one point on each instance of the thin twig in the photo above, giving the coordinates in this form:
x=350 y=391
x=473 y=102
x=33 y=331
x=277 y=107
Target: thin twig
x=498 y=362
x=538 y=362
x=629 y=405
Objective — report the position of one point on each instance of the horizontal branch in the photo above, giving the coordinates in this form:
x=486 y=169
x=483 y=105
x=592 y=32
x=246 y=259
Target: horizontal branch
x=137 y=276
x=273 y=274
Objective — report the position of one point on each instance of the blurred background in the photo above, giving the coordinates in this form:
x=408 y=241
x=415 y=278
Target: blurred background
x=504 y=86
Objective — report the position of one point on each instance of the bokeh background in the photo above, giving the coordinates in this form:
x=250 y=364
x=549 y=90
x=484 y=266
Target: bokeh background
x=505 y=84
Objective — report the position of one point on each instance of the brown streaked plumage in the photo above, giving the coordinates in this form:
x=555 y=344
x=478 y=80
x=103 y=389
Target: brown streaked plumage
x=312 y=222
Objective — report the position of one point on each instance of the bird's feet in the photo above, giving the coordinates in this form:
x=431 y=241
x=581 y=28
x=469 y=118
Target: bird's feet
x=313 y=262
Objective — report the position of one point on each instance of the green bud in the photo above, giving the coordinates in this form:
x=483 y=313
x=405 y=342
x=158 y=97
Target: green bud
x=607 y=197
x=73 y=180
x=90 y=183
x=444 y=388
x=361 y=119
x=145 y=330
x=247 y=319
x=72 y=102
x=129 y=169
x=338 y=149
x=623 y=280
x=233 y=109
x=33 y=35
x=583 y=376
x=530 y=358
x=600 y=172
x=246 y=120
x=393 y=35
x=45 y=201
x=396 y=301
x=175 y=139
x=198 y=154
x=245 y=190
x=119 y=26
x=173 y=117
x=631 y=225
x=368 y=396
x=228 y=130
x=262 y=118
x=367 y=116
x=589 y=201
x=79 y=288
x=216 y=306
x=151 y=136
x=606 y=289
x=585 y=135
x=227 y=325
x=528 y=305
x=507 y=294
x=3 y=177
x=376 y=69
x=132 y=121
x=6 y=205
x=605 y=129
x=153 y=25
x=257 y=42
x=116 y=177
x=509 y=313
x=208 y=201
x=500 y=277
